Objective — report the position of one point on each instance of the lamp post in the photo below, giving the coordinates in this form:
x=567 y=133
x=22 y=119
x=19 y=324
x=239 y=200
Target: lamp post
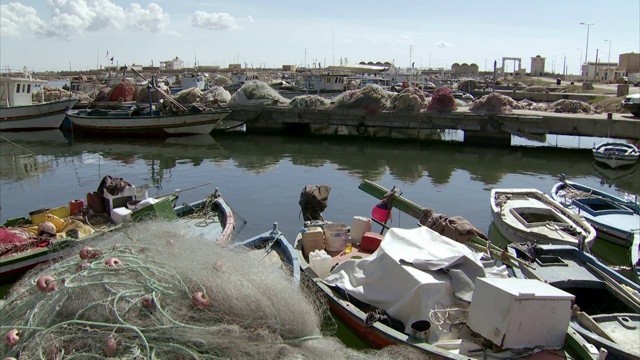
x=586 y=49
x=580 y=67
x=609 y=56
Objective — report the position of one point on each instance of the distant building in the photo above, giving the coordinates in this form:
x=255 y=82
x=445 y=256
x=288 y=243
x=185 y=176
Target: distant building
x=629 y=63
x=175 y=64
x=291 y=68
x=537 y=65
x=464 y=69
x=235 y=67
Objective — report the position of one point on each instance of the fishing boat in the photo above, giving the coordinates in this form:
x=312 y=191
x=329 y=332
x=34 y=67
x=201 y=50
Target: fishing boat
x=19 y=112
x=616 y=220
x=134 y=120
x=529 y=215
x=46 y=234
x=418 y=288
x=616 y=154
x=276 y=247
x=607 y=304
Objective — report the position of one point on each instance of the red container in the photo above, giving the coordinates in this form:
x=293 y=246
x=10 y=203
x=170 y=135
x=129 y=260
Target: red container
x=75 y=206
x=95 y=202
x=370 y=241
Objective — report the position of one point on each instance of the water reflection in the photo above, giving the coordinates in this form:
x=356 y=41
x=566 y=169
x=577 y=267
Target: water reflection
x=364 y=158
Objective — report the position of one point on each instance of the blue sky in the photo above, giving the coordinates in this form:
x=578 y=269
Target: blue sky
x=77 y=34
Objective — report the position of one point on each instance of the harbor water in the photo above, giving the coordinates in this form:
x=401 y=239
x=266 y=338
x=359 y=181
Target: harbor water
x=262 y=177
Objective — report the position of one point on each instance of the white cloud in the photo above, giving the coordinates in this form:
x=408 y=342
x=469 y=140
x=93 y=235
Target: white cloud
x=405 y=40
x=443 y=44
x=153 y=19
x=15 y=18
x=214 y=21
x=72 y=18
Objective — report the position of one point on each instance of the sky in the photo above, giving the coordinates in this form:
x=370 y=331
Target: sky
x=55 y=35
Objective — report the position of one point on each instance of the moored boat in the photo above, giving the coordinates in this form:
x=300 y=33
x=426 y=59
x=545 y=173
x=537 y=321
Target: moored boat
x=46 y=234
x=607 y=305
x=19 y=112
x=415 y=287
x=134 y=121
x=616 y=154
x=529 y=215
x=616 y=220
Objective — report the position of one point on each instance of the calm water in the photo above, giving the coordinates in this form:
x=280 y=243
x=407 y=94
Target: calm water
x=262 y=176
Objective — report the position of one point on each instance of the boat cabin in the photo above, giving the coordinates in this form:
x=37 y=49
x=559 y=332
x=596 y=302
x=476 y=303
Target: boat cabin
x=17 y=91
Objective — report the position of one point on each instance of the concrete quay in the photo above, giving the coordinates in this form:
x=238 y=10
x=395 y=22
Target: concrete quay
x=478 y=128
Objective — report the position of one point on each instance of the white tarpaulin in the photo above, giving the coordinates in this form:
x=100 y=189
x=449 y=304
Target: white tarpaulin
x=412 y=272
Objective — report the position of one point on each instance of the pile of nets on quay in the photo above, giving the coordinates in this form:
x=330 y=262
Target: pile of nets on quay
x=495 y=103
x=156 y=290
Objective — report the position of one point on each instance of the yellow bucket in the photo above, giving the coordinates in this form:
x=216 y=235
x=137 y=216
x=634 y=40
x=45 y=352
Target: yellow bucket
x=39 y=216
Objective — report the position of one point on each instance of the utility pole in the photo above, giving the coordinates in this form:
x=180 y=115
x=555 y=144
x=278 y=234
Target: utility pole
x=586 y=49
x=564 y=64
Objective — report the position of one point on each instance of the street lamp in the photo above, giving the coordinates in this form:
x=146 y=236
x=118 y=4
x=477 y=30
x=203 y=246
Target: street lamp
x=580 y=67
x=586 y=49
x=609 y=56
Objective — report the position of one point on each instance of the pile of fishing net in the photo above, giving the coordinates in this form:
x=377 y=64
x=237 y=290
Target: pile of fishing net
x=102 y=94
x=571 y=106
x=370 y=97
x=188 y=96
x=410 y=101
x=220 y=80
x=442 y=101
x=143 y=94
x=157 y=290
x=49 y=93
x=469 y=85
x=493 y=103
x=257 y=90
x=125 y=91
x=309 y=102
x=216 y=93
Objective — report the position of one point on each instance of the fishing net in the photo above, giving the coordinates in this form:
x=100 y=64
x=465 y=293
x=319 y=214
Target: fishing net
x=188 y=96
x=309 y=102
x=216 y=93
x=410 y=100
x=571 y=106
x=125 y=91
x=257 y=90
x=442 y=101
x=493 y=103
x=370 y=98
x=143 y=94
x=50 y=93
x=157 y=291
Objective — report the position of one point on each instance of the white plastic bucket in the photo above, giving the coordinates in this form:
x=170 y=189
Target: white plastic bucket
x=336 y=236
x=359 y=226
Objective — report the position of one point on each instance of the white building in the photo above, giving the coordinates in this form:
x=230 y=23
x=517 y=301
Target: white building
x=175 y=64
x=537 y=65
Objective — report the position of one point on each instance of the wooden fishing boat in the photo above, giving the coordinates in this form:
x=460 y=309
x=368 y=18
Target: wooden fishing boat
x=616 y=154
x=528 y=215
x=393 y=306
x=616 y=220
x=607 y=304
x=136 y=121
x=26 y=242
x=19 y=112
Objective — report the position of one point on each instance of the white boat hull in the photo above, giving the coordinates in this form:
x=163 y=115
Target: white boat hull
x=528 y=215
x=33 y=117
x=616 y=155
x=183 y=124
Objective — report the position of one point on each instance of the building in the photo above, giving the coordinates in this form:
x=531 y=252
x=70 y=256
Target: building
x=175 y=64
x=291 y=68
x=601 y=71
x=629 y=63
x=464 y=69
x=537 y=65
x=235 y=67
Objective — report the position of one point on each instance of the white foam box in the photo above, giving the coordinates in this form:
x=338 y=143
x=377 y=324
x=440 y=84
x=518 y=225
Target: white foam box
x=120 y=215
x=520 y=313
x=119 y=200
